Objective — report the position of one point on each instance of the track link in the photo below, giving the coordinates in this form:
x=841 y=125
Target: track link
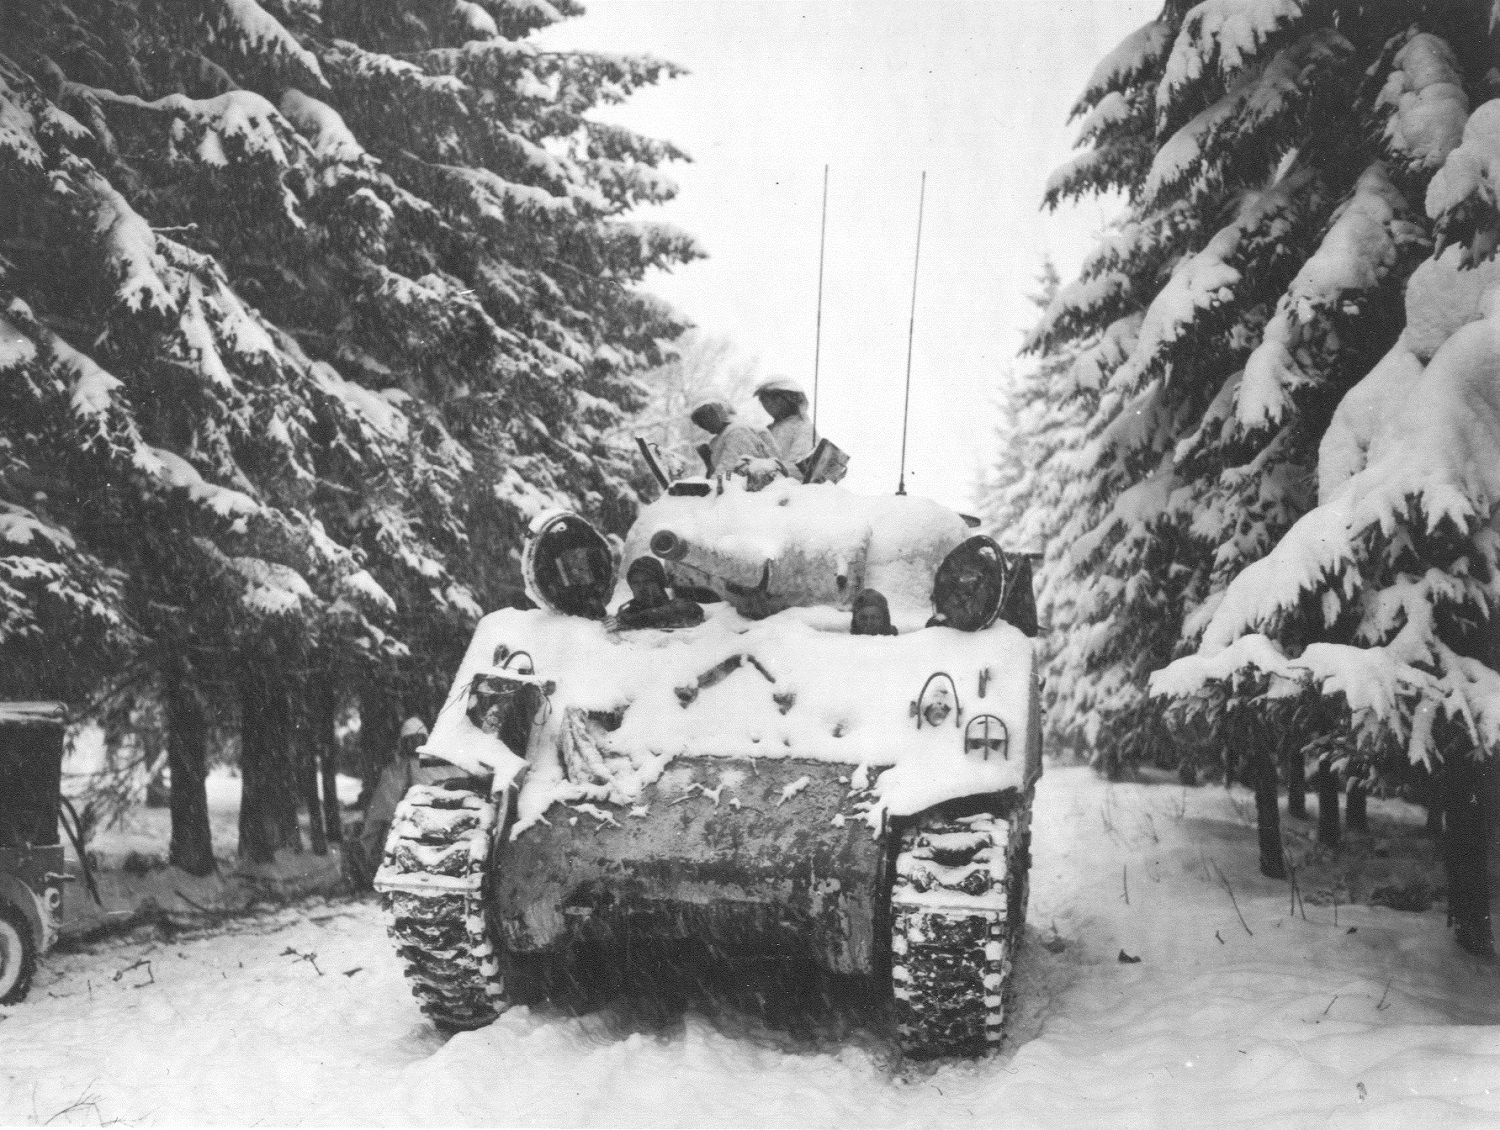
x=957 y=911
x=431 y=881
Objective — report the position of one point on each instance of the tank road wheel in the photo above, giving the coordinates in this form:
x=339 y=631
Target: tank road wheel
x=957 y=910
x=17 y=954
x=431 y=881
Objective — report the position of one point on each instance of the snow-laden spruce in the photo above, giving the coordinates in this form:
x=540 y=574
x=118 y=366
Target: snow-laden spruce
x=1288 y=458
x=308 y=309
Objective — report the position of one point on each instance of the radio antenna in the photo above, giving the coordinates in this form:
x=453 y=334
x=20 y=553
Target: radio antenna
x=911 y=330
x=818 y=332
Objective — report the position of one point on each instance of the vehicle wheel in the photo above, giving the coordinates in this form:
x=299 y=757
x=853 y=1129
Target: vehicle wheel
x=432 y=881
x=17 y=954
x=957 y=909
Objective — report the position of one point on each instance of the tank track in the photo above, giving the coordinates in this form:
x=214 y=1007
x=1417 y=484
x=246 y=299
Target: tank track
x=958 y=907
x=431 y=881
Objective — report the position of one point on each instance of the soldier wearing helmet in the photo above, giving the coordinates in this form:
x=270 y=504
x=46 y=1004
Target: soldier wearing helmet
x=786 y=404
x=737 y=447
x=402 y=772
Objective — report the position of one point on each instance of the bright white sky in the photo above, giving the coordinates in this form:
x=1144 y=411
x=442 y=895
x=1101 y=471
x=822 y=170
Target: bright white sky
x=975 y=92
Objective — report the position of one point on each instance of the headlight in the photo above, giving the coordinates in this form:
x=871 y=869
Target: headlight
x=987 y=734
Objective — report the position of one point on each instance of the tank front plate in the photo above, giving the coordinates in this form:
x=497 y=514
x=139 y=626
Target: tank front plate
x=762 y=855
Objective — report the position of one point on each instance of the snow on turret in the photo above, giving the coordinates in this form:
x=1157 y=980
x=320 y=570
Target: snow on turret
x=823 y=543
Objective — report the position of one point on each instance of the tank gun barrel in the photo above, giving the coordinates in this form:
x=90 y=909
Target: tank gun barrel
x=773 y=577
x=731 y=566
x=668 y=546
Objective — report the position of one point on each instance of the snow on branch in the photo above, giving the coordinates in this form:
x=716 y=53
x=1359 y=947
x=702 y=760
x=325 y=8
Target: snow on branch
x=1131 y=61
x=1241 y=136
x=498 y=65
x=20 y=527
x=374 y=410
x=1356 y=254
x=478 y=23
x=173 y=472
x=1121 y=134
x=1219 y=39
x=1411 y=451
x=248 y=29
x=1209 y=279
x=516 y=18
x=1079 y=306
x=272 y=589
x=1424 y=99
x=16 y=349
x=1133 y=510
x=128 y=245
x=487 y=196
x=321 y=125
x=1442 y=295
x=18 y=141
x=1114 y=109
x=1463 y=197
x=238 y=125
x=1093 y=365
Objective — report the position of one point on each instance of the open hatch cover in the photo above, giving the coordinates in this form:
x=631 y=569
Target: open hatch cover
x=567 y=565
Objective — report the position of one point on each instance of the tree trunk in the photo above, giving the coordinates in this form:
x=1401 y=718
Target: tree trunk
x=1327 y=784
x=1187 y=773
x=268 y=807
x=379 y=726
x=324 y=711
x=1355 y=813
x=1267 y=813
x=305 y=750
x=192 y=846
x=1492 y=821
x=1296 y=782
x=1464 y=852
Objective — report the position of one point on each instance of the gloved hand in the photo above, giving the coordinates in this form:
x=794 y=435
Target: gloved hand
x=759 y=473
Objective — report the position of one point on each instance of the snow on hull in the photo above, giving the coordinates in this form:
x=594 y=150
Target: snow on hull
x=835 y=697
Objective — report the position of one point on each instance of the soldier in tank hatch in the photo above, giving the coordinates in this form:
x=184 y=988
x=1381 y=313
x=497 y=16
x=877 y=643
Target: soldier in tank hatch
x=871 y=615
x=737 y=447
x=651 y=605
x=786 y=404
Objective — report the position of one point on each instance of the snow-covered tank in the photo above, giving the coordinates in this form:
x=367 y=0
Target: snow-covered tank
x=761 y=783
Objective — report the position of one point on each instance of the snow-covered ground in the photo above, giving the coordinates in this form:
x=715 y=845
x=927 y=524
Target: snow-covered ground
x=1277 y=1021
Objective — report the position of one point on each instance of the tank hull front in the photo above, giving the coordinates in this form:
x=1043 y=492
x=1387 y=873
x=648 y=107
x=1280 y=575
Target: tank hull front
x=764 y=856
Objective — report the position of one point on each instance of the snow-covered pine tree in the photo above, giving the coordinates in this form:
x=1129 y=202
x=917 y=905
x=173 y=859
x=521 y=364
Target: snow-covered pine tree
x=204 y=565
x=1024 y=498
x=321 y=303
x=1022 y=438
x=1279 y=159
x=1286 y=164
x=1268 y=210
x=1382 y=602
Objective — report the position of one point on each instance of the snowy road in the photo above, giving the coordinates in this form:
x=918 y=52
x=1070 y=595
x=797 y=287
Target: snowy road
x=1273 y=1021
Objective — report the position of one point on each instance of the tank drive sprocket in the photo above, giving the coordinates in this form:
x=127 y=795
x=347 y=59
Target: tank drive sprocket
x=432 y=882
x=958 y=906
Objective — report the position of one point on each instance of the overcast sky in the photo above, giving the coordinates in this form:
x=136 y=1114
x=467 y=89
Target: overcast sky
x=975 y=93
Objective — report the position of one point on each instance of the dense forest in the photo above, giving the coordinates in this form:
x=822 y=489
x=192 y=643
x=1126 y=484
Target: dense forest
x=1260 y=449
x=305 y=310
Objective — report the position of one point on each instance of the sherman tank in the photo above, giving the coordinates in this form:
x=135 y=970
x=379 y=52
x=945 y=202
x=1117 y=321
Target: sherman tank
x=715 y=736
